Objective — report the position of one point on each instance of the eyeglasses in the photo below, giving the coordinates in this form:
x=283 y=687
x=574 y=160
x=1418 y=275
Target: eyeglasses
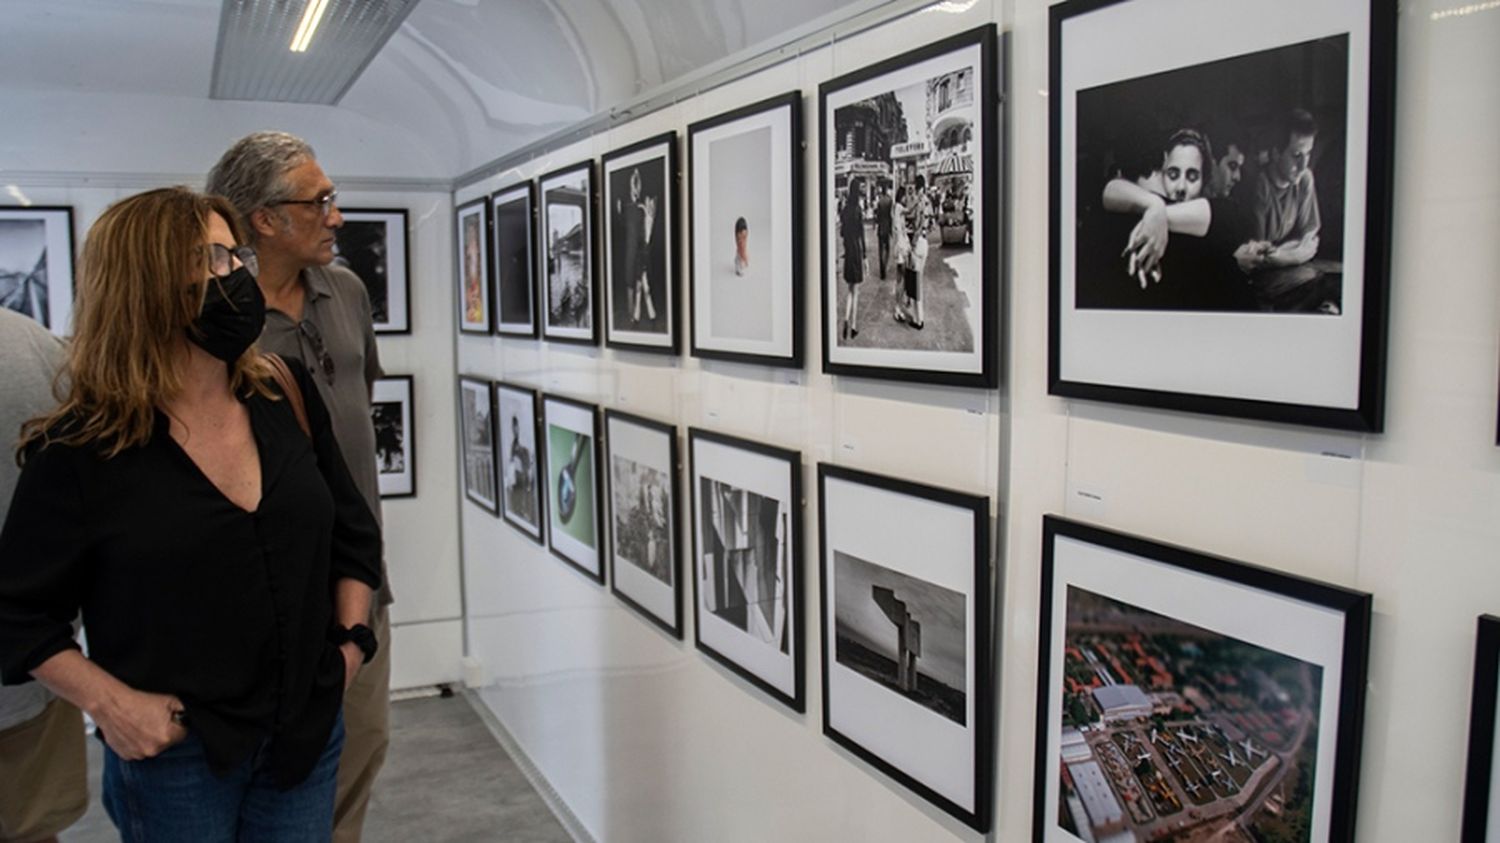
x=315 y=339
x=221 y=259
x=323 y=203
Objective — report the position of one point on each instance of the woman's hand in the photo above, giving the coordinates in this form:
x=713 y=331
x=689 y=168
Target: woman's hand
x=1148 y=242
x=138 y=725
x=354 y=658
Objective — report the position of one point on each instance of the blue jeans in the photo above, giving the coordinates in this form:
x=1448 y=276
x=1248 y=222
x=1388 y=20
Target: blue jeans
x=175 y=798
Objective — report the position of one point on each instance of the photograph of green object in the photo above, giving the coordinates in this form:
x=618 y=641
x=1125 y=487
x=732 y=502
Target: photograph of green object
x=571 y=457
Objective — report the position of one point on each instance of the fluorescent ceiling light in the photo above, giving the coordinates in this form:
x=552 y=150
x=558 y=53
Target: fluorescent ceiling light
x=311 y=17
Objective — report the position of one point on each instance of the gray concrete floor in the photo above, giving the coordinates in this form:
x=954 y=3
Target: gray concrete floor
x=445 y=779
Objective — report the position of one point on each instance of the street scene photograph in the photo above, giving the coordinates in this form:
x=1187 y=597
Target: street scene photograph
x=905 y=273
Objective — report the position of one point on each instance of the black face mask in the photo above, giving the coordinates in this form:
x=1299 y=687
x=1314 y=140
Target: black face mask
x=234 y=311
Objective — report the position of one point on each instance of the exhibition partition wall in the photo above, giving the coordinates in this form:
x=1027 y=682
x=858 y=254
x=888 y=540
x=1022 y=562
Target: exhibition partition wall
x=1367 y=556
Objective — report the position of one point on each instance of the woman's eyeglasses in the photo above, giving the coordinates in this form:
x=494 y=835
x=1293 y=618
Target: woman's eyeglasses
x=320 y=351
x=221 y=259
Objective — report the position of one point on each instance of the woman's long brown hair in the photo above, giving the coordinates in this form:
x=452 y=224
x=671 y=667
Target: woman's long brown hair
x=139 y=291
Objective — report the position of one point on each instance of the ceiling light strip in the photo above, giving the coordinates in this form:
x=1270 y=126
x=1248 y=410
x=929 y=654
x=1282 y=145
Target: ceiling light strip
x=311 y=17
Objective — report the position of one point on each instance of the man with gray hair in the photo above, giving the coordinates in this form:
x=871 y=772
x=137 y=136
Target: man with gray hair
x=320 y=314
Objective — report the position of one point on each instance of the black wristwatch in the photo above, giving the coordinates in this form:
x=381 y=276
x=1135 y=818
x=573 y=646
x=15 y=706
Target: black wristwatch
x=362 y=636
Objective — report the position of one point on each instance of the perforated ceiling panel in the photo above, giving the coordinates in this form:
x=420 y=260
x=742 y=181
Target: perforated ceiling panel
x=254 y=60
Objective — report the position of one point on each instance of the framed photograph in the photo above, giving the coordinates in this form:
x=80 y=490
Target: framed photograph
x=575 y=493
x=372 y=244
x=36 y=264
x=520 y=459
x=476 y=416
x=474 y=268
x=1221 y=206
x=645 y=560
x=747 y=561
x=567 y=232
x=745 y=233
x=911 y=215
x=906 y=582
x=395 y=437
x=640 y=245
x=1481 y=819
x=514 y=211
x=1191 y=695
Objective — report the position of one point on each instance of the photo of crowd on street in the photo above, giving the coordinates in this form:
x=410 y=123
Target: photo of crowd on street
x=1216 y=187
x=905 y=271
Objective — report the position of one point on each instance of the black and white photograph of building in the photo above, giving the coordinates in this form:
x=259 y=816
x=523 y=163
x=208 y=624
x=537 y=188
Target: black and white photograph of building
x=1216 y=187
x=744 y=561
x=36 y=264
x=23 y=268
x=902 y=632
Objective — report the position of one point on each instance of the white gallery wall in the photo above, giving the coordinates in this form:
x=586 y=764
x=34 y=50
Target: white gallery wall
x=421 y=548
x=643 y=738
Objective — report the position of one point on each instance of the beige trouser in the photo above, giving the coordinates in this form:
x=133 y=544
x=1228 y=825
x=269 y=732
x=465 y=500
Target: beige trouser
x=367 y=734
x=43 y=775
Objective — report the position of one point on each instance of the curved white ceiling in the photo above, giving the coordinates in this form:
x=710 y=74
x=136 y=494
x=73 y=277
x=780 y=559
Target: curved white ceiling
x=463 y=82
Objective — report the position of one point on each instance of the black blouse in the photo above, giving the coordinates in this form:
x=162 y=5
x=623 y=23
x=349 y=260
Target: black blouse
x=185 y=593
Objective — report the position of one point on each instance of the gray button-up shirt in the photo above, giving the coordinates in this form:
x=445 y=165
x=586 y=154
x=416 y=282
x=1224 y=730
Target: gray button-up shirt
x=31 y=354
x=338 y=308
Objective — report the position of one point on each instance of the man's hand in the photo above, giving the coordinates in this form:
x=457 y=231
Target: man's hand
x=139 y=725
x=354 y=659
x=1252 y=255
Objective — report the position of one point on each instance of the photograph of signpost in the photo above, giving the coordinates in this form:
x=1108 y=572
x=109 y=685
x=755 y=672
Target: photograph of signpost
x=1175 y=732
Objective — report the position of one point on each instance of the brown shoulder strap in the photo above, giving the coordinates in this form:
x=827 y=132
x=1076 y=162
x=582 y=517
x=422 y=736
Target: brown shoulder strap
x=290 y=389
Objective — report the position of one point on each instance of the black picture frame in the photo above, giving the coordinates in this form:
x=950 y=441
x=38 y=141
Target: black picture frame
x=789 y=690
x=1479 y=778
x=1145 y=345
x=667 y=223
x=513 y=513
x=50 y=249
x=1319 y=632
x=646 y=596
x=395 y=438
x=376 y=248
x=976 y=367
x=587 y=200
x=793 y=316
x=476 y=437
x=560 y=477
x=858 y=686
x=472 y=220
x=514 y=271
